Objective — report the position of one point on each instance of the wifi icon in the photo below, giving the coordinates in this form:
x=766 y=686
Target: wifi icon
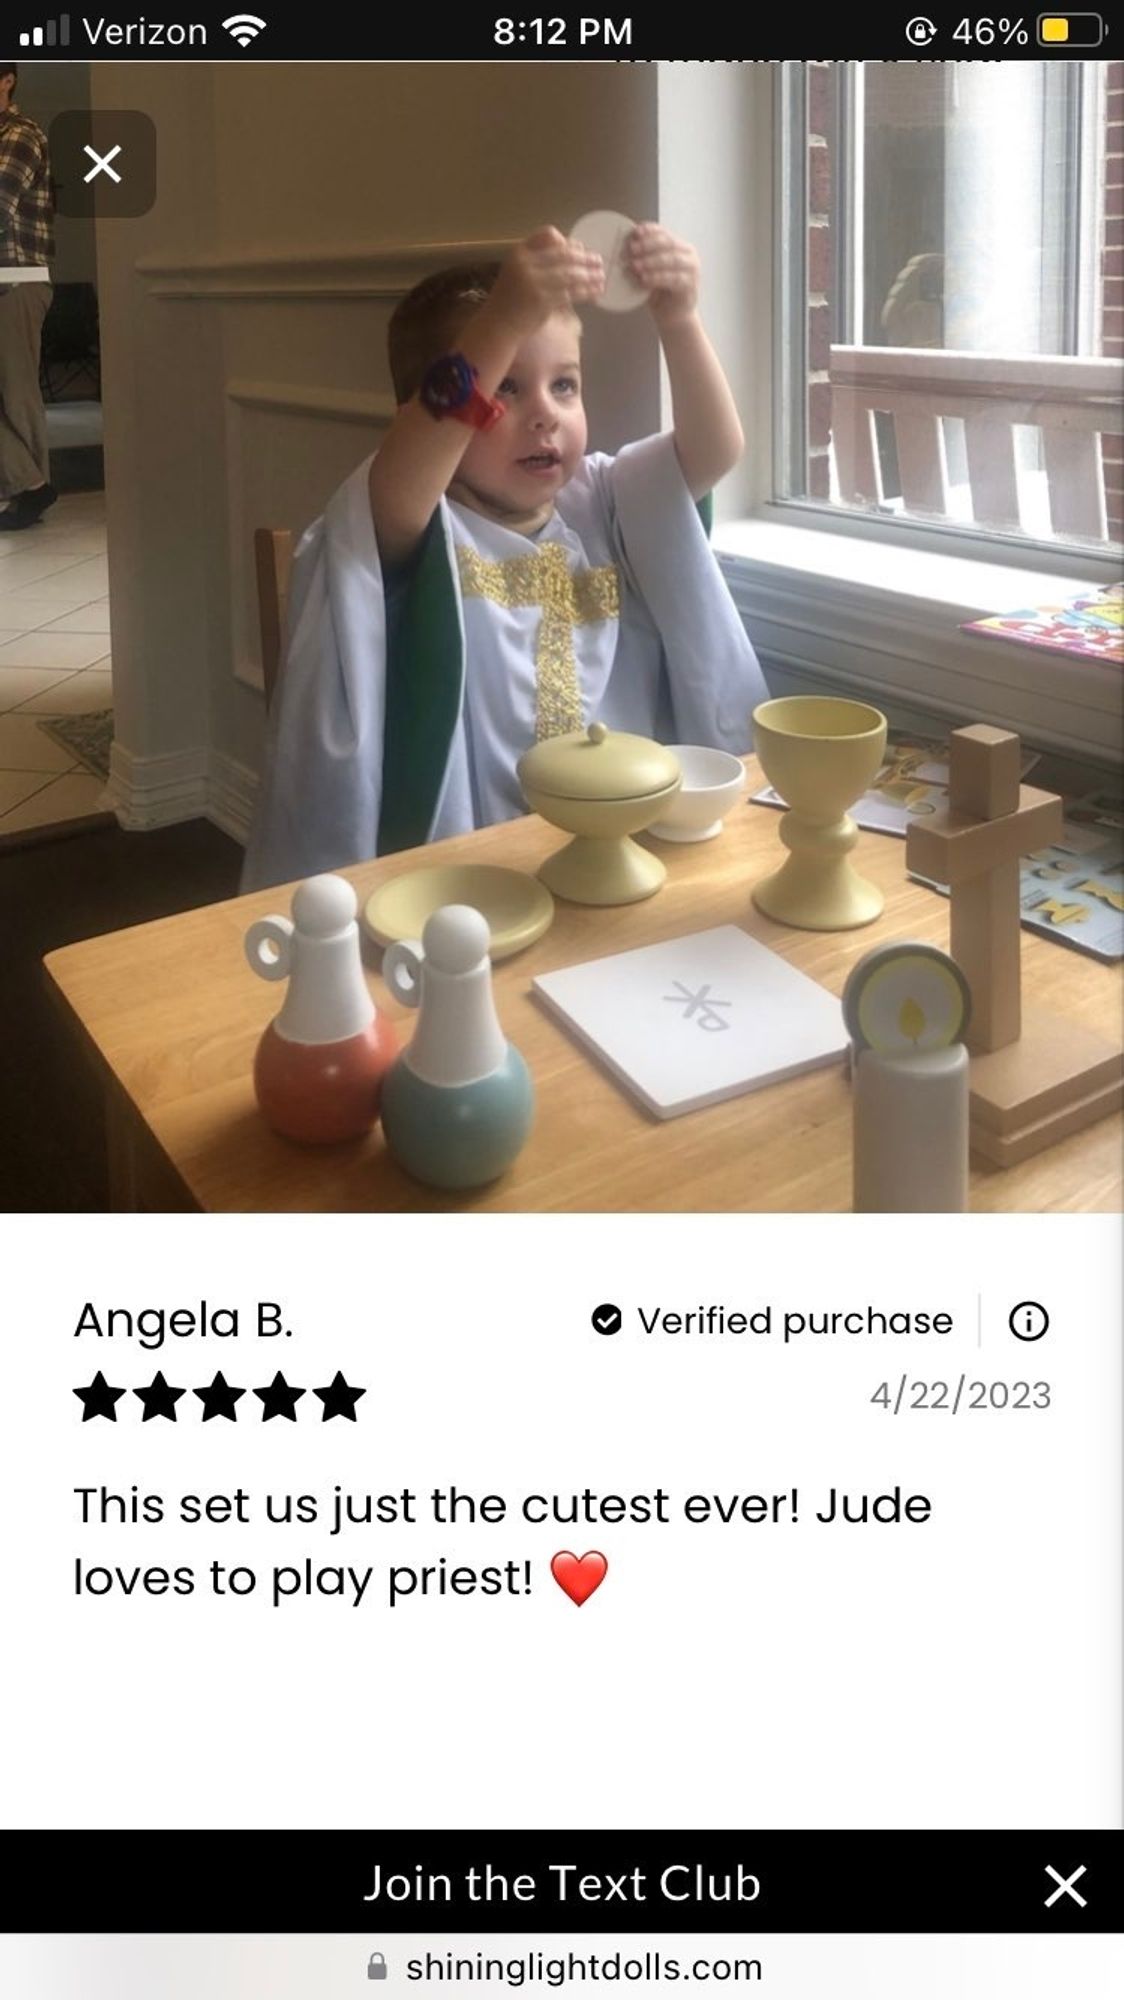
x=244 y=27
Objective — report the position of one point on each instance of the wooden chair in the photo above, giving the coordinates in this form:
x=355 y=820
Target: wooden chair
x=273 y=562
x=1068 y=400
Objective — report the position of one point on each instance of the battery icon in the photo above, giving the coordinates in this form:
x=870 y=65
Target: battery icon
x=1070 y=31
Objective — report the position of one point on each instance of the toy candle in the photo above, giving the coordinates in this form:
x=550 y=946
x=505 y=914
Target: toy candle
x=906 y=1006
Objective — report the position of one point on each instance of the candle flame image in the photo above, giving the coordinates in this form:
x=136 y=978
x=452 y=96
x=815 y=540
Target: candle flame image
x=911 y=1019
x=905 y=994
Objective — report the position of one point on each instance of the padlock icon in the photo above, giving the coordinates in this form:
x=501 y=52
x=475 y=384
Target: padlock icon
x=376 y=1966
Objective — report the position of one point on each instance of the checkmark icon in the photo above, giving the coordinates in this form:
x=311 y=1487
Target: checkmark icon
x=607 y=1319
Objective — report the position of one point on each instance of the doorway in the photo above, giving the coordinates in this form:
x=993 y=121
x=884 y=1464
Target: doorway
x=56 y=699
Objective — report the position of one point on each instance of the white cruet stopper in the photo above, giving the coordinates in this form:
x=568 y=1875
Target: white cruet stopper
x=318 y=951
x=449 y=978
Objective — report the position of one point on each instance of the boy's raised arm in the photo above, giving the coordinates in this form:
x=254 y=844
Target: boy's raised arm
x=708 y=435
x=544 y=274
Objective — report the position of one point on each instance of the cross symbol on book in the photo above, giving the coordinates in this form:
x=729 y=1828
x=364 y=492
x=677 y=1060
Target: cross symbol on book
x=699 y=1004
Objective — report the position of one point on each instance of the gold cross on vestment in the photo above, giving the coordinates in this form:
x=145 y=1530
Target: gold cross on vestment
x=543 y=579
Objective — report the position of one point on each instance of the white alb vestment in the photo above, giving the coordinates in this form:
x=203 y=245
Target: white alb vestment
x=615 y=611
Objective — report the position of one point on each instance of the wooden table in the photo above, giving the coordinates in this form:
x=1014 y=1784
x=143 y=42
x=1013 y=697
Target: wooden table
x=172 y=1014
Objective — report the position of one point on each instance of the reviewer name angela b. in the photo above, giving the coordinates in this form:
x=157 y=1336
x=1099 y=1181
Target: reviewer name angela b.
x=151 y=1326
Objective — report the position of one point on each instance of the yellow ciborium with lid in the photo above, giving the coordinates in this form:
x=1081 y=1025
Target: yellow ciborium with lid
x=820 y=754
x=602 y=785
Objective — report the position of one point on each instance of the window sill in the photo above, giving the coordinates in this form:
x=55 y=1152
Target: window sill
x=831 y=610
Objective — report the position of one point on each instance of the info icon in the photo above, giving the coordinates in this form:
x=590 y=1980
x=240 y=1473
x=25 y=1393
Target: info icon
x=103 y=163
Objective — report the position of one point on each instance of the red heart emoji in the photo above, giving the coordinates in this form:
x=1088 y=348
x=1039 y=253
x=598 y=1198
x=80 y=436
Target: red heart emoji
x=578 y=1576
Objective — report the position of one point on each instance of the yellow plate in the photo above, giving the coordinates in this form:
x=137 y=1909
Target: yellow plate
x=517 y=907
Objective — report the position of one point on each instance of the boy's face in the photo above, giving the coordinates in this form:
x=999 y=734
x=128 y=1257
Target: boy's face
x=513 y=471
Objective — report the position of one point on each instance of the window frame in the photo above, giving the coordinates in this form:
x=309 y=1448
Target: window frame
x=849 y=602
x=1079 y=561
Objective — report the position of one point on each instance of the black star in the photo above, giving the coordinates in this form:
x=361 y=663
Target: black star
x=99 y=1400
x=279 y=1400
x=338 y=1399
x=219 y=1399
x=159 y=1399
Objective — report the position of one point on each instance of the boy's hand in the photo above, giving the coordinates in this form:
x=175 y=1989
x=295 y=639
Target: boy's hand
x=668 y=268
x=546 y=273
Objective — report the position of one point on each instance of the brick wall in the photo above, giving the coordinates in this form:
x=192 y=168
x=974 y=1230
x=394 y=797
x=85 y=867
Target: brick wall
x=1112 y=281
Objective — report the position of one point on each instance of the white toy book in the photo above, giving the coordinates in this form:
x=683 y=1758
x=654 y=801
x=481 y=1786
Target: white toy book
x=698 y=1019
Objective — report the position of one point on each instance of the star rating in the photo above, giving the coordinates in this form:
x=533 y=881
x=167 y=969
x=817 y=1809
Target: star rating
x=278 y=1400
x=99 y=1400
x=219 y=1399
x=159 y=1400
x=338 y=1399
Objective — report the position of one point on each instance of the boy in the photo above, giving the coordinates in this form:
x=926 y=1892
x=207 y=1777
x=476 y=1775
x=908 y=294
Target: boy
x=480 y=582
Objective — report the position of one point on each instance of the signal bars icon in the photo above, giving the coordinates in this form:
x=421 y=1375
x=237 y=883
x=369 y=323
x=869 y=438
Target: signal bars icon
x=50 y=35
x=244 y=27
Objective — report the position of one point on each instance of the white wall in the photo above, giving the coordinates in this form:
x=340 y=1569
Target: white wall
x=715 y=163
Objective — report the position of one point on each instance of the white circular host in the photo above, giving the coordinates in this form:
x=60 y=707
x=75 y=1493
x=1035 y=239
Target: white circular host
x=606 y=232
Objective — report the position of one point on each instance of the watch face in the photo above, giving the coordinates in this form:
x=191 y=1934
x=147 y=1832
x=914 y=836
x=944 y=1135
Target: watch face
x=905 y=998
x=448 y=383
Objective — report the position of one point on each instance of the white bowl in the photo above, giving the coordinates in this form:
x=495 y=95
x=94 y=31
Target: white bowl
x=712 y=780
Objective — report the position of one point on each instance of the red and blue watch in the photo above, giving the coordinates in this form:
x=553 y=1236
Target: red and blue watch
x=449 y=389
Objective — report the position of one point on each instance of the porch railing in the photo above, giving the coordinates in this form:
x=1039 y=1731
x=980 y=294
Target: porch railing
x=1000 y=478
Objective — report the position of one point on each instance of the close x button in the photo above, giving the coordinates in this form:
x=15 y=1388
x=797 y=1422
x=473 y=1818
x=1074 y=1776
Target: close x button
x=103 y=163
x=1065 y=1886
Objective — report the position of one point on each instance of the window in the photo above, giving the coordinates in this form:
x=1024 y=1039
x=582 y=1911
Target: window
x=949 y=326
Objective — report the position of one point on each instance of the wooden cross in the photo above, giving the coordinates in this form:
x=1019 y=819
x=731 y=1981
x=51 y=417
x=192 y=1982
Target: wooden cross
x=974 y=846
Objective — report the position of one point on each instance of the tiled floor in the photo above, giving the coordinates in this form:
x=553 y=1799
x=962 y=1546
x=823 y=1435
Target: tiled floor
x=54 y=659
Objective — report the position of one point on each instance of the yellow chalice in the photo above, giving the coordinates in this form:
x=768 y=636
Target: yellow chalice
x=821 y=755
